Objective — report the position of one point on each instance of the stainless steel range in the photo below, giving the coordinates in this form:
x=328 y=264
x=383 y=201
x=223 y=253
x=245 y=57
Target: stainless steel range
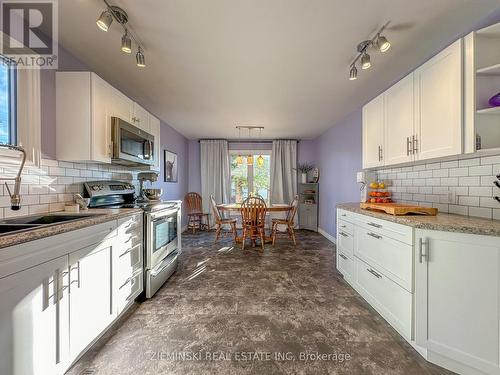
x=162 y=228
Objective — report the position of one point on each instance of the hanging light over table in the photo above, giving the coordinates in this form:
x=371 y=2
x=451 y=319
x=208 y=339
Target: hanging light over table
x=260 y=161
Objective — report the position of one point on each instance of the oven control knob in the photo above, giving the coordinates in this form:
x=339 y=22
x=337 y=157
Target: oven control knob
x=95 y=187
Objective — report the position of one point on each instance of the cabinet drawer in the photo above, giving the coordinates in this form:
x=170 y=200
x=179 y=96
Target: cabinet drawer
x=346 y=227
x=345 y=243
x=345 y=266
x=386 y=228
x=129 y=224
x=388 y=298
x=393 y=258
x=346 y=215
x=129 y=260
x=129 y=290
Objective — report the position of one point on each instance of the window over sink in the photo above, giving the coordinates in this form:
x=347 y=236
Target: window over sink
x=7 y=102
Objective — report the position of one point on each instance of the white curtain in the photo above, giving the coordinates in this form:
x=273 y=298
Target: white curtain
x=283 y=171
x=29 y=113
x=215 y=172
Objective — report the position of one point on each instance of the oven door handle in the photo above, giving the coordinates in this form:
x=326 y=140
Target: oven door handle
x=167 y=262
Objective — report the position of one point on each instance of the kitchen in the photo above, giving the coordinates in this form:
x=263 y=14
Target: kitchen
x=173 y=207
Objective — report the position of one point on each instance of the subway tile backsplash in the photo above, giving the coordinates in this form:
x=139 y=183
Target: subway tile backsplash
x=463 y=187
x=49 y=187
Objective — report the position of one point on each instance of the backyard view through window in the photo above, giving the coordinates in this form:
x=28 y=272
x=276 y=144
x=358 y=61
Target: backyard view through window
x=254 y=178
x=6 y=114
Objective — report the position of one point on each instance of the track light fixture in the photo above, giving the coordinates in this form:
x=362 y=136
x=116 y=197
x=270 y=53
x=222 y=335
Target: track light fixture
x=379 y=41
x=141 y=60
x=126 y=43
x=354 y=73
x=114 y=13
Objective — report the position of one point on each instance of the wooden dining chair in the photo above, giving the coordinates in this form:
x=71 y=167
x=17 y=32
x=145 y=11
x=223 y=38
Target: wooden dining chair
x=288 y=221
x=253 y=220
x=194 y=211
x=220 y=221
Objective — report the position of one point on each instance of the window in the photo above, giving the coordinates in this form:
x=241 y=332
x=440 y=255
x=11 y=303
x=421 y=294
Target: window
x=254 y=177
x=7 y=102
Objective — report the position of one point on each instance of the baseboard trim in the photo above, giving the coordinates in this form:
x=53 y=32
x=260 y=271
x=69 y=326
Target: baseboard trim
x=328 y=236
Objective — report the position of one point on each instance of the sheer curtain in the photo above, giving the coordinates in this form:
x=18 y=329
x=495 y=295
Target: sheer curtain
x=283 y=171
x=215 y=172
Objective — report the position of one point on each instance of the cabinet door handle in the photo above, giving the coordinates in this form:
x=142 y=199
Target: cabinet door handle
x=414 y=144
x=374 y=235
x=342 y=226
x=375 y=225
x=421 y=254
x=343 y=234
x=343 y=256
x=344 y=215
x=77 y=268
x=407 y=146
x=376 y=274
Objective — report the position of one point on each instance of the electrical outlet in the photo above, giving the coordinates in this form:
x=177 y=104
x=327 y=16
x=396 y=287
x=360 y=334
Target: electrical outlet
x=452 y=197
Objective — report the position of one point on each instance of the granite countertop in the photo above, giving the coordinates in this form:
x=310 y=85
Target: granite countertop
x=103 y=216
x=442 y=221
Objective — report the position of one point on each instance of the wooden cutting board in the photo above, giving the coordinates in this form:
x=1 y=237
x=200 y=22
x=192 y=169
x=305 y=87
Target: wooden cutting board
x=399 y=209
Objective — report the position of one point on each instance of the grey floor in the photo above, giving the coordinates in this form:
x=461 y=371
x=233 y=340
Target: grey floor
x=228 y=311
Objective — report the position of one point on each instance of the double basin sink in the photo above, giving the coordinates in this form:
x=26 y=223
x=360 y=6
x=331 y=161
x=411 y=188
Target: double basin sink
x=24 y=223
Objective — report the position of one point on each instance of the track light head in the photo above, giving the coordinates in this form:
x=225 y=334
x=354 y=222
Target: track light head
x=105 y=20
x=141 y=60
x=126 y=43
x=354 y=73
x=365 y=61
x=383 y=44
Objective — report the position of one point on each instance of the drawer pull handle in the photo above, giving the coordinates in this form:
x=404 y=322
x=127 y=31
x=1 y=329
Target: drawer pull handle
x=376 y=274
x=421 y=254
x=343 y=256
x=374 y=235
x=375 y=225
x=125 y=253
x=343 y=234
x=344 y=215
x=342 y=226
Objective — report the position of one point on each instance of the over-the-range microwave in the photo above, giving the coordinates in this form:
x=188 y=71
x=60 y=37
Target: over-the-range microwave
x=131 y=145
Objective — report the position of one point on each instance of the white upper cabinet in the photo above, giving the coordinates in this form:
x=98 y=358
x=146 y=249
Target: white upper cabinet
x=140 y=118
x=422 y=113
x=155 y=130
x=373 y=133
x=438 y=103
x=399 y=122
x=85 y=104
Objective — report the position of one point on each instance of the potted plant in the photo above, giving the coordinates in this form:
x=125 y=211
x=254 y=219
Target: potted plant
x=304 y=169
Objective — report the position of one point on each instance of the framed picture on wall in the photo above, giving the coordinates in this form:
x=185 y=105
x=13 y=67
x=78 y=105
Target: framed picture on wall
x=170 y=166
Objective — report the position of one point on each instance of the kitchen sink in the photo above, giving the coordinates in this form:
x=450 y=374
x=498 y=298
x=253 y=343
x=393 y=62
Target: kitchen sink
x=12 y=228
x=45 y=219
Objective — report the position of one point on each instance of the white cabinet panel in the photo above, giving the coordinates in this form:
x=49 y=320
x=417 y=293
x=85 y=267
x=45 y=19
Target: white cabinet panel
x=438 y=92
x=34 y=320
x=140 y=118
x=458 y=298
x=90 y=295
x=101 y=120
x=373 y=133
x=345 y=242
x=119 y=105
x=155 y=130
x=399 y=118
x=345 y=265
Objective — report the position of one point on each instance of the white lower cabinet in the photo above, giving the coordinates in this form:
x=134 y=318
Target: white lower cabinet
x=60 y=293
x=91 y=308
x=34 y=320
x=458 y=299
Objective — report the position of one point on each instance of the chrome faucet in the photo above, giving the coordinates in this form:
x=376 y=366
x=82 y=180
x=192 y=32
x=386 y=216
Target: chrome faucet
x=15 y=198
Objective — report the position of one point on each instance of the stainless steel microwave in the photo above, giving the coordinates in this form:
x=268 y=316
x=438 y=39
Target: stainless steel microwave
x=131 y=145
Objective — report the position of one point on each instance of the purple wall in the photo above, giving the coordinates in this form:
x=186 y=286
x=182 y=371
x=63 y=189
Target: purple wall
x=173 y=141
x=307 y=152
x=338 y=159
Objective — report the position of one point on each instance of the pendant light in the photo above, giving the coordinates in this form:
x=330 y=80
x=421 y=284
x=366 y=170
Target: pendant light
x=126 y=43
x=239 y=158
x=260 y=159
x=250 y=160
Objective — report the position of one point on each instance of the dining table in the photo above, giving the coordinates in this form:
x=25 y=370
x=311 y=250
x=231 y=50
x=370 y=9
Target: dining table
x=236 y=207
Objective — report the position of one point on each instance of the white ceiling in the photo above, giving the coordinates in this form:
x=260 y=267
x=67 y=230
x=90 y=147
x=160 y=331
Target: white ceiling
x=282 y=64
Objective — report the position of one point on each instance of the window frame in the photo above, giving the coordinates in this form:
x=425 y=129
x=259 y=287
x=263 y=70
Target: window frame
x=249 y=167
x=12 y=83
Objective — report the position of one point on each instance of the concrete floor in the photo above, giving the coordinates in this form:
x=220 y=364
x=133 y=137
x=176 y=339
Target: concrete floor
x=254 y=312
